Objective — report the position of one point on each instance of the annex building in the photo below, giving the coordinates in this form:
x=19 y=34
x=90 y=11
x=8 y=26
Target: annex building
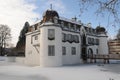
x=57 y=41
x=114 y=46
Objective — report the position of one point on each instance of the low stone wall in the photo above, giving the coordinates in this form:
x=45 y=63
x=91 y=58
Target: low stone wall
x=20 y=60
x=10 y=59
x=2 y=58
x=13 y=59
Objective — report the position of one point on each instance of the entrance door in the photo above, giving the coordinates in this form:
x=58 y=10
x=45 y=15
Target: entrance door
x=84 y=54
x=90 y=53
x=83 y=46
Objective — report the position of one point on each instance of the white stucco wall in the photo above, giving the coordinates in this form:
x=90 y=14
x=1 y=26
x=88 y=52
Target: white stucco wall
x=10 y=59
x=93 y=47
x=20 y=60
x=41 y=58
x=15 y=59
x=69 y=58
x=46 y=60
x=103 y=46
x=32 y=57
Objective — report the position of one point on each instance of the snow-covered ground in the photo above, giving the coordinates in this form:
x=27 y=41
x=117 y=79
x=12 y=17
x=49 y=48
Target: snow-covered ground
x=14 y=71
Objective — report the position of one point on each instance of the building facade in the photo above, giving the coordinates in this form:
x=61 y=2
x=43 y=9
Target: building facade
x=114 y=46
x=57 y=41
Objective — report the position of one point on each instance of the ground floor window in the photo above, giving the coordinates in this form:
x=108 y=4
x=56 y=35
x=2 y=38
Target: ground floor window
x=64 y=50
x=96 y=51
x=73 y=51
x=51 y=50
x=90 y=53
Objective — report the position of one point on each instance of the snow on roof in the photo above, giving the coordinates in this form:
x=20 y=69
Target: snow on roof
x=47 y=23
x=36 y=22
x=71 y=21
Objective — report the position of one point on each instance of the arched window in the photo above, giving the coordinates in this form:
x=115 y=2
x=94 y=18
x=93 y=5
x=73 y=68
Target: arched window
x=90 y=53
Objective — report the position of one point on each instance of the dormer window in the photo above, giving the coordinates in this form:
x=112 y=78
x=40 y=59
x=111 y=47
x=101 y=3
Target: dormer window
x=89 y=30
x=69 y=25
x=77 y=28
x=92 y=31
x=56 y=19
x=33 y=28
x=62 y=23
x=66 y=25
x=36 y=26
x=72 y=27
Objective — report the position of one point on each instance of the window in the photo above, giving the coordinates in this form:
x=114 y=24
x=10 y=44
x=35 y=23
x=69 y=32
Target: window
x=97 y=41
x=76 y=38
x=62 y=23
x=90 y=52
x=89 y=40
x=36 y=25
x=66 y=25
x=51 y=34
x=36 y=37
x=92 y=41
x=51 y=50
x=63 y=37
x=69 y=37
x=89 y=30
x=77 y=28
x=72 y=27
x=96 y=51
x=64 y=50
x=73 y=50
x=69 y=25
x=55 y=19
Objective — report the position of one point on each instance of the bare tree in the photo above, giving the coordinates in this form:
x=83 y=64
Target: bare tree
x=4 y=37
x=111 y=7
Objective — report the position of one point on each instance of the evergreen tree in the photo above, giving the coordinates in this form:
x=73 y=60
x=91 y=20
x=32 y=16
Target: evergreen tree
x=22 y=37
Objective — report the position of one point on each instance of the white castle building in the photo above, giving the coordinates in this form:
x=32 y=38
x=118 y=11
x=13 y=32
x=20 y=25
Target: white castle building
x=57 y=41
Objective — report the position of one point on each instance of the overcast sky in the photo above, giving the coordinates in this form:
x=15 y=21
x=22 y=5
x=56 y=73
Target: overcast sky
x=15 y=13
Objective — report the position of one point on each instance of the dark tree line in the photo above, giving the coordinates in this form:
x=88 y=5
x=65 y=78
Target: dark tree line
x=22 y=37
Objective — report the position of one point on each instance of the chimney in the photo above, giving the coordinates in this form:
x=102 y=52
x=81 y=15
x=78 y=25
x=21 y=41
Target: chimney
x=74 y=19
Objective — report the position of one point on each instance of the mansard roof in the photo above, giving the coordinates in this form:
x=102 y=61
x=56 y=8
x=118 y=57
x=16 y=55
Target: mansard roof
x=49 y=15
x=100 y=29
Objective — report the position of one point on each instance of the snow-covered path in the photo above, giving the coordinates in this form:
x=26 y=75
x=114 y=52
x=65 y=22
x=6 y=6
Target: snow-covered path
x=13 y=71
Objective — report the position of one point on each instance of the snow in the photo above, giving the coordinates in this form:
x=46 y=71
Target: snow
x=15 y=71
x=71 y=21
